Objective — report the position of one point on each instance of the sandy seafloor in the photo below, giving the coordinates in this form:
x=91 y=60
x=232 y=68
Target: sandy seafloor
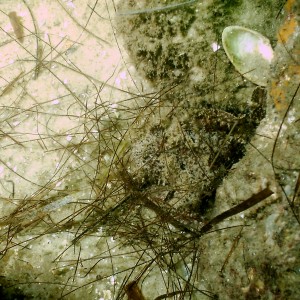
x=61 y=85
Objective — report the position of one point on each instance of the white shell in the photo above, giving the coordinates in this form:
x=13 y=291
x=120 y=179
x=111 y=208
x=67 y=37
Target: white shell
x=250 y=53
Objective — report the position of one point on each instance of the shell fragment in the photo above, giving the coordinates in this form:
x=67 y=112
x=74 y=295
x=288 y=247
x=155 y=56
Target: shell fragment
x=250 y=53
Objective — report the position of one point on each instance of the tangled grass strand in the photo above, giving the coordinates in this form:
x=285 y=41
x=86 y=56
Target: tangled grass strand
x=156 y=9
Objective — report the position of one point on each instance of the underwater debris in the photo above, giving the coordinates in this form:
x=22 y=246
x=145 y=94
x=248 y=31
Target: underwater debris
x=17 y=26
